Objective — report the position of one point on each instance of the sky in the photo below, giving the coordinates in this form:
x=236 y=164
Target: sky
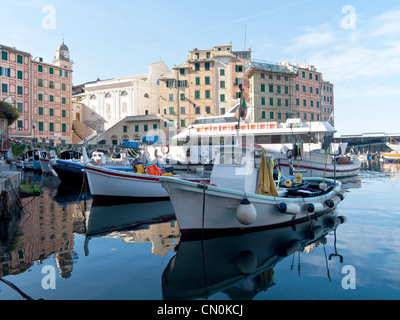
x=354 y=43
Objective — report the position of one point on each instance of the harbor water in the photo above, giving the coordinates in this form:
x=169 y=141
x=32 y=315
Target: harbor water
x=63 y=246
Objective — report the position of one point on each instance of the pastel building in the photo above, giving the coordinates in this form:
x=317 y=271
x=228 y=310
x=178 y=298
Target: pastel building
x=271 y=90
x=307 y=93
x=285 y=90
x=327 y=102
x=16 y=87
x=206 y=84
x=101 y=104
x=41 y=93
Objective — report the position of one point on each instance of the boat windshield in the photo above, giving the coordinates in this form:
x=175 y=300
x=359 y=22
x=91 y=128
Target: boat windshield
x=210 y=120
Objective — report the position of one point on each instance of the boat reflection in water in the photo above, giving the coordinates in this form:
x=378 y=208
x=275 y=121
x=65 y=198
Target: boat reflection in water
x=240 y=266
x=133 y=222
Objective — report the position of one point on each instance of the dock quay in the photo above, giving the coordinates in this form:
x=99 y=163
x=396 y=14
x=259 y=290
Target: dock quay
x=9 y=184
x=373 y=142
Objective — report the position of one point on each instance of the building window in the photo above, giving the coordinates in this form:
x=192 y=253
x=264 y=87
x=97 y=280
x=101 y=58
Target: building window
x=208 y=109
x=154 y=126
x=263 y=101
x=271 y=88
x=183 y=97
x=278 y=89
x=146 y=128
x=171 y=97
x=63 y=100
x=207 y=66
x=183 y=123
x=305 y=116
x=197 y=110
x=40 y=68
x=222 y=111
x=41 y=126
x=51 y=98
x=20 y=74
x=4 y=88
x=238 y=68
x=197 y=94
x=197 y=81
x=19 y=59
x=40 y=83
x=207 y=80
x=303 y=74
x=271 y=101
x=63 y=87
x=20 y=90
x=262 y=87
x=40 y=111
x=20 y=107
x=136 y=128
x=51 y=70
x=221 y=72
x=297 y=102
x=40 y=97
x=197 y=66
x=182 y=72
x=4 y=55
x=51 y=112
x=208 y=94
x=51 y=126
x=63 y=113
x=263 y=115
x=271 y=115
x=171 y=110
x=297 y=87
x=222 y=84
x=222 y=98
x=183 y=110
x=20 y=125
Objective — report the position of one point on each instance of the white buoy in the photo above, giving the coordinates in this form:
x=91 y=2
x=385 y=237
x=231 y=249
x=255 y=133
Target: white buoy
x=246 y=262
x=323 y=186
x=246 y=213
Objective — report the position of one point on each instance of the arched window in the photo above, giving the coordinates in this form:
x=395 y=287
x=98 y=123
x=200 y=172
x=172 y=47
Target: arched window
x=124 y=93
x=93 y=97
x=108 y=95
x=146 y=95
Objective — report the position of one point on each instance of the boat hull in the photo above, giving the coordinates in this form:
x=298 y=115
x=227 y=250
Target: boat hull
x=107 y=183
x=391 y=157
x=202 y=208
x=315 y=169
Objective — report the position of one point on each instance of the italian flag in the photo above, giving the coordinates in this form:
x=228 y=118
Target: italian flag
x=243 y=110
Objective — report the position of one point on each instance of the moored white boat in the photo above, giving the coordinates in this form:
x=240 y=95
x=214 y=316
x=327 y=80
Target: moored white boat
x=316 y=164
x=222 y=206
x=108 y=184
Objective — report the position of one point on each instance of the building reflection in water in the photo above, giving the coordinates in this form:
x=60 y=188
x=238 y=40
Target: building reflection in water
x=47 y=225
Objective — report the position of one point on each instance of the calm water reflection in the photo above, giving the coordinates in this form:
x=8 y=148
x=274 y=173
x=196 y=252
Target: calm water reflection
x=135 y=251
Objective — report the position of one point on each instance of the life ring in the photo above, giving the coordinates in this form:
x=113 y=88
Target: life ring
x=163 y=149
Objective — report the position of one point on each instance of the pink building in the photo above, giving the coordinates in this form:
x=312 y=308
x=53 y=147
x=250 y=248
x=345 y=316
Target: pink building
x=41 y=93
x=307 y=94
x=327 y=102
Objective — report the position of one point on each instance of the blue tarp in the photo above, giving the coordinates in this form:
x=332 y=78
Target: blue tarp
x=130 y=144
x=151 y=139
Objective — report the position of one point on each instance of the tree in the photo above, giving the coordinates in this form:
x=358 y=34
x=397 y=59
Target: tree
x=9 y=111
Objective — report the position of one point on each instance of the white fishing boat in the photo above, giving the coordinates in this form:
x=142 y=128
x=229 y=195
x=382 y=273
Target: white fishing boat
x=242 y=197
x=319 y=163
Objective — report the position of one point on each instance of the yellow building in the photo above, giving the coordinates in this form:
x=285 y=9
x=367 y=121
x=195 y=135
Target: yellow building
x=206 y=84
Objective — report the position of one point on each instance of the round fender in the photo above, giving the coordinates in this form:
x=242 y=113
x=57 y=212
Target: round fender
x=165 y=149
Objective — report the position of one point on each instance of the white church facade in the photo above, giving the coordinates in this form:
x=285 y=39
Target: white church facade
x=104 y=103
